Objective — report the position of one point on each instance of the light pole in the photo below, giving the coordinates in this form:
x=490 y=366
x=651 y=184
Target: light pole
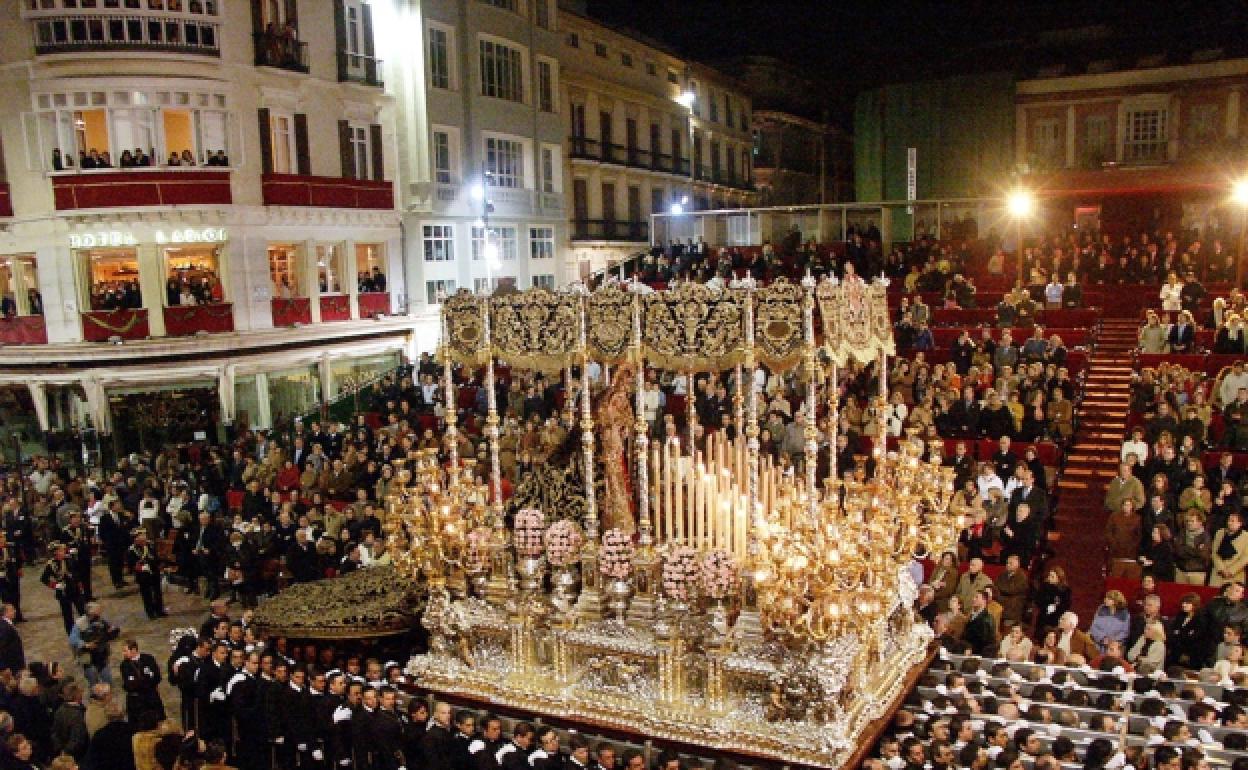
x=489 y=249
x=1020 y=204
x=1239 y=196
x=686 y=100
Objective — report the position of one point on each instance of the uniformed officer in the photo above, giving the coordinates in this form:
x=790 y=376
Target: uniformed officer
x=481 y=750
x=140 y=677
x=242 y=693
x=141 y=559
x=77 y=538
x=59 y=575
x=389 y=725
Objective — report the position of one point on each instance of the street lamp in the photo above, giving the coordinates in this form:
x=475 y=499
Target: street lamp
x=1021 y=204
x=1239 y=196
x=686 y=99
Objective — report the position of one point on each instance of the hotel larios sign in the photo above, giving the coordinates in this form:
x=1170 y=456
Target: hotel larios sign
x=112 y=238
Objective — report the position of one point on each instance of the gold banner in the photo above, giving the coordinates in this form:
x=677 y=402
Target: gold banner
x=778 y=324
x=693 y=328
x=610 y=315
x=854 y=320
x=465 y=327
x=535 y=329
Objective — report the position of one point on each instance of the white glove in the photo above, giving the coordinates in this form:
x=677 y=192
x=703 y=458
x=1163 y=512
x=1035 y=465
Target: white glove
x=302 y=747
x=216 y=695
x=317 y=755
x=344 y=763
x=279 y=740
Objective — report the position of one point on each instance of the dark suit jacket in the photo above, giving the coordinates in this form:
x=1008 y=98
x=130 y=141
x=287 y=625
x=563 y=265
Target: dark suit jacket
x=12 y=653
x=981 y=633
x=1181 y=338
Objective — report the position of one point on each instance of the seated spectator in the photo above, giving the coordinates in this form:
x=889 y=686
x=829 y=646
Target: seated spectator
x=1148 y=654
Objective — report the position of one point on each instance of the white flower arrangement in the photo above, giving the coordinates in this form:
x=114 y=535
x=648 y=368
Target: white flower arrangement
x=563 y=543
x=680 y=573
x=530 y=524
x=615 y=560
x=719 y=574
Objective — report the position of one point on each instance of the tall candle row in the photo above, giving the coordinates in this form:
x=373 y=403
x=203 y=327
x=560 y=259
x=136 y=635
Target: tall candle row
x=700 y=499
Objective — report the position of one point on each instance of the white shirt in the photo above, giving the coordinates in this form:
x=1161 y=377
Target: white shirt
x=1137 y=448
x=988 y=483
x=149 y=508
x=1231 y=384
x=650 y=403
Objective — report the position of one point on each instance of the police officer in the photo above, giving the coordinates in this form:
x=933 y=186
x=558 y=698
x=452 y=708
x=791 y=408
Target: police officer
x=77 y=538
x=141 y=559
x=140 y=677
x=59 y=575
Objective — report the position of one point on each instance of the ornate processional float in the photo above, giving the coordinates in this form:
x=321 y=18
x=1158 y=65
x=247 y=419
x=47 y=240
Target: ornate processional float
x=701 y=594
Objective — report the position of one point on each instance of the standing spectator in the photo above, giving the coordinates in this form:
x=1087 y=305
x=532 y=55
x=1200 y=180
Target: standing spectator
x=1124 y=486
x=69 y=724
x=1012 y=586
x=981 y=631
x=972 y=582
x=1192 y=551
x=12 y=654
x=1230 y=552
x=1052 y=599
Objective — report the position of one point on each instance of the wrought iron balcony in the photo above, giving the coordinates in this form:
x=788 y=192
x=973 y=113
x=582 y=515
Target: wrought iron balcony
x=357 y=68
x=277 y=49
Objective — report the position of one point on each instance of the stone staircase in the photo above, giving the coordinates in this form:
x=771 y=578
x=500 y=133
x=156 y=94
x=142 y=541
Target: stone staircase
x=1091 y=461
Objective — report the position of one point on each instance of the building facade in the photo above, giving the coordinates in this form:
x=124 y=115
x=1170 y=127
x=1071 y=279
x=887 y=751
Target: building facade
x=225 y=230
x=645 y=130
x=1150 y=144
x=254 y=205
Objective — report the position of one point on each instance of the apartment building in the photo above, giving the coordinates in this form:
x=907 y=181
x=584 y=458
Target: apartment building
x=646 y=130
x=197 y=208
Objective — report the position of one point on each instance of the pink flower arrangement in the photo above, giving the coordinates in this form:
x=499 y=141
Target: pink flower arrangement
x=719 y=574
x=680 y=572
x=563 y=543
x=477 y=554
x=530 y=523
x=615 y=560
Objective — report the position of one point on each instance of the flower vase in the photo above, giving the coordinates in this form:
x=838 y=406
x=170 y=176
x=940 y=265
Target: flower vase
x=563 y=582
x=718 y=628
x=618 y=593
x=531 y=571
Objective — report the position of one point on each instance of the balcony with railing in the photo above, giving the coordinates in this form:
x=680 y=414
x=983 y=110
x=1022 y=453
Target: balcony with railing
x=150 y=30
x=610 y=230
x=582 y=148
x=281 y=50
x=357 y=68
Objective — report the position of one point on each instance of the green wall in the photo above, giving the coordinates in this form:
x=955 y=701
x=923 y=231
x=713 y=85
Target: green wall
x=962 y=127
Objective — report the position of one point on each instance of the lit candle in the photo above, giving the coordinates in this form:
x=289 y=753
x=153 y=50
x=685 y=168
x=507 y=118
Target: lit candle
x=678 y=479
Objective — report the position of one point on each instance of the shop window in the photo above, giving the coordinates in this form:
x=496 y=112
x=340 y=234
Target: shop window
x=352 y=373
x=284 y=271
x=329 y=258
x=370 y=267
x=193 y=275
x=112 y=278
x=19 y=286
x=294 y=392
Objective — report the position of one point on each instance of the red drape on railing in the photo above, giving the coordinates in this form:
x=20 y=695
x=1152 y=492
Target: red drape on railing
x=23 y=330
x=374 y=303
x=128 y=324
x=288 y=312
x=187 y=320
x=336 y=307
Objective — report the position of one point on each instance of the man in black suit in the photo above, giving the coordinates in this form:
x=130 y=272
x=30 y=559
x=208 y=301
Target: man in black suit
x=1004 y=460
x=12 y=653
x=208 y=547
x=1182 y=337
x=964 y=414
x=113 y=530
x=981 y=631
x=1029 y=492
x=140 y=677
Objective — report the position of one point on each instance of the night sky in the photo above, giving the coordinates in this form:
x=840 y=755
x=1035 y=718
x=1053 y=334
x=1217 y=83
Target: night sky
x=854 y=44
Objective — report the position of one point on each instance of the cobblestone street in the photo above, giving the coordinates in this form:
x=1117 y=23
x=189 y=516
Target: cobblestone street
x=44 y=635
